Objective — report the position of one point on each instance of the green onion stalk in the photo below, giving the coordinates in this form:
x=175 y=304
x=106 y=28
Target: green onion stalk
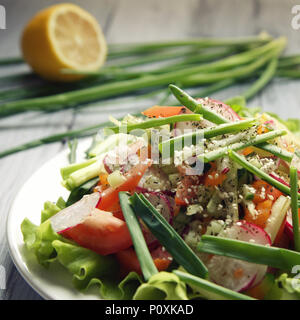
x=259 y=173
x=275 y=257
x=146 y=262
x=73 y=98
x=294 y=206
x=174 y=143
x=129 y=49
x=167 y=236
x=209 y=289
x=79 y=133
x=154 y=123
x=222 y=152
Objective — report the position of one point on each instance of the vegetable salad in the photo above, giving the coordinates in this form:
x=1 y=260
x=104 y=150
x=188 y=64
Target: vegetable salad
x=196 y=201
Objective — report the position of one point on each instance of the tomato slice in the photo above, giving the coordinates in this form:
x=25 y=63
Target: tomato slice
x=110 y=196
x=163 y=111
x=101 y=232
x=129 y=261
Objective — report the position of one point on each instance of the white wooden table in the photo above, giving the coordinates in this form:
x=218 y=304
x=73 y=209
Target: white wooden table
x=129 y=21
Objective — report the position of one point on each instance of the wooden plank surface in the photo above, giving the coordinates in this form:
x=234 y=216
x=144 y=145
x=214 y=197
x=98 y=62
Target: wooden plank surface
x=129 y=21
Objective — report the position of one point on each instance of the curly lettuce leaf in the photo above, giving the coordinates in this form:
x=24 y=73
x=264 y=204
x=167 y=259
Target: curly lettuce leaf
x=39 y=239
x=87 y=267
x=50 y=209
x=162 y=286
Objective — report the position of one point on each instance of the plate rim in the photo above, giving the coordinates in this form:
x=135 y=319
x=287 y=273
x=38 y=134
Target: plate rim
x=13 y=248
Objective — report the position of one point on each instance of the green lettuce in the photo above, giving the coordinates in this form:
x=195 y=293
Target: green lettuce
x=87 y=267
x=162 y=286
x=91 y=269
x=50 y=209
x=284 y=288
x=39 y=239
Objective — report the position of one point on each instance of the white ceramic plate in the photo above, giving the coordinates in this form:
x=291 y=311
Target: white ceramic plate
x=44 y=184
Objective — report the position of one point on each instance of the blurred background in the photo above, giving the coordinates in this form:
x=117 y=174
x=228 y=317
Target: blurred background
x=134 y=20
x=122 y=22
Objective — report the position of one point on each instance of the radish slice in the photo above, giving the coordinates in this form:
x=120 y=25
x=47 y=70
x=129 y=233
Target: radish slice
x=280 y=180
x=75 y=214
x=155 y=179
x=236 y=274
x=161 y=202
x=92 y=228
x=214 y=105
x=123 y=157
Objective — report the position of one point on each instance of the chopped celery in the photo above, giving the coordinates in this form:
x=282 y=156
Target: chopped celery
x=115 y=179
x=76 y=174
x=68 y=170
x=80 y=176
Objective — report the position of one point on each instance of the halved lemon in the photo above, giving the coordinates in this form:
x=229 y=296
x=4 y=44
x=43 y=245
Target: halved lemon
x=60 y=37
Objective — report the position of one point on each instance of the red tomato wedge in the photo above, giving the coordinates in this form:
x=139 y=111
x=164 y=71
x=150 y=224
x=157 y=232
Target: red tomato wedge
x=163 y=111
x=109 y=197
x=101 y=232
x=129 y=261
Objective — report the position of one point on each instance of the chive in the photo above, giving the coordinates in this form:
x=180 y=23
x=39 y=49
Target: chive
x=168 y=237
x=120 y=50
x=283 y=259
x=193 y=59
x=208 y=90
x=222 y=152
x=73 y=98
x=235 y=73
x=129 y=49
x=205 y=133
x=288 y=73
x=215 y=87
x=294 y=206
x=73 y=147
x=289 y=61
x=80 y=133
x=195 y=106
x=259 y=173
x=278 y=152
x=146 y=262
x=209 y=289
x=263 y=80
x=154 y=123
x=9 y=61
x=155 y=57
